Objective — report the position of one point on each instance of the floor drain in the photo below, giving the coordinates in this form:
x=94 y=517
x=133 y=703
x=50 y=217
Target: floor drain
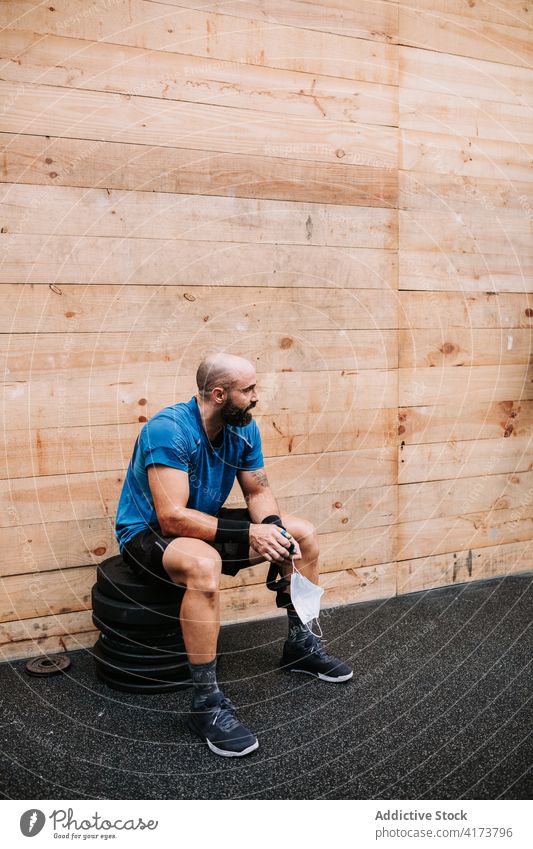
x=46 y=665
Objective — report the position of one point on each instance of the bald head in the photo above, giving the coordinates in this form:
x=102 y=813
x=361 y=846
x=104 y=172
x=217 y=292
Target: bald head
x=221 y=370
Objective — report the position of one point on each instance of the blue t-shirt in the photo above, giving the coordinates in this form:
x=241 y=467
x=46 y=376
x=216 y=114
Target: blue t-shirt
x=175 y=437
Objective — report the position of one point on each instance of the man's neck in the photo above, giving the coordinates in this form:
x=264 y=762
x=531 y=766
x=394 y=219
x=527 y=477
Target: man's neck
x=210 y=419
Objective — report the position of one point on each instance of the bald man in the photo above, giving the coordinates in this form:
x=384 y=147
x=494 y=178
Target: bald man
x=171 y=524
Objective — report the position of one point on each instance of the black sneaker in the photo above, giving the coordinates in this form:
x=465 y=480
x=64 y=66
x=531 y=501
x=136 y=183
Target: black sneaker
x=313 y=660
x=216 y=724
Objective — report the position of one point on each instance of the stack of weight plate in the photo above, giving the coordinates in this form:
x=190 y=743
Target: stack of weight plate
x=140 y=648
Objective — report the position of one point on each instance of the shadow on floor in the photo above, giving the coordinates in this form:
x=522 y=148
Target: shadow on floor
x=439 y=708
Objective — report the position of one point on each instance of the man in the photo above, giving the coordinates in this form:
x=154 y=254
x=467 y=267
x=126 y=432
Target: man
x=171 y=523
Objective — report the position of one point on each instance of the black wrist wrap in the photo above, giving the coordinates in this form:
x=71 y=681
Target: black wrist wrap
x=273 y=520
x=232 y=530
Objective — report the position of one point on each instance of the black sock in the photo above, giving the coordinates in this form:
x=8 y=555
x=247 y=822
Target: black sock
x=298 y=632
x=204 y=681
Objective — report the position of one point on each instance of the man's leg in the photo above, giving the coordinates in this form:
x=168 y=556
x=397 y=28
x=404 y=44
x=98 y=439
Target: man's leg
x=197 y=566
x=302 y=651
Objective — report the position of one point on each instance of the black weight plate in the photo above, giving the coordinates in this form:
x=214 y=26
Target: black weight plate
x=134 y=678
x=142 y=645
x=170 y=669
x=142 y=688
x=150 y=656
x=113 y=647
x=47 y=665
x=110 y=609
x=117 y=580
x=148 y=635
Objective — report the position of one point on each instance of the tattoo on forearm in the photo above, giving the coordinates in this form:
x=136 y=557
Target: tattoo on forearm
x=261 y=478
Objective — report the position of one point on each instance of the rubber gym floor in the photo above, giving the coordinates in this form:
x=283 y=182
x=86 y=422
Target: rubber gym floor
x=439 y=708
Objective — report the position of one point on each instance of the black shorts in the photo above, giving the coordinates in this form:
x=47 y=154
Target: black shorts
x=143 y=553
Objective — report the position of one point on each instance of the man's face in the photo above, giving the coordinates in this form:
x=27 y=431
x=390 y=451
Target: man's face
x=242 y=398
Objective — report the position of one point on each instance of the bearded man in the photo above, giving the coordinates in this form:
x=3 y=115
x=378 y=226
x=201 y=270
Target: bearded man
x=171 y=524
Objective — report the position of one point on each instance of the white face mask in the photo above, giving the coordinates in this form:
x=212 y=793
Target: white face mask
x=305 y=597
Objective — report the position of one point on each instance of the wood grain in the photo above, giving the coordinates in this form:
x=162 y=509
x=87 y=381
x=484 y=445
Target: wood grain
x=66 y=260
x=52 y=110
x=97 y=66
x=160 y=26
x=153 y=215
x=488 y=420
x=69 y=450
x=53 y=161
x=460 y=567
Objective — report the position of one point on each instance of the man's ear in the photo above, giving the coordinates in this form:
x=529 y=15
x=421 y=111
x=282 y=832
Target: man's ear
x=218 y=394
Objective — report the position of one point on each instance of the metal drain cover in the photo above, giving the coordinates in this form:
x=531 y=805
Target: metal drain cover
x=46 y=665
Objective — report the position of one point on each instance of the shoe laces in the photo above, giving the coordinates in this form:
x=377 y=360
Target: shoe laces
x=225 y=715
x=316 y=646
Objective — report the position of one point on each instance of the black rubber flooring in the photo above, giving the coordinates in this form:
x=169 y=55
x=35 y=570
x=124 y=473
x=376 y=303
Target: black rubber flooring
x=439 y=708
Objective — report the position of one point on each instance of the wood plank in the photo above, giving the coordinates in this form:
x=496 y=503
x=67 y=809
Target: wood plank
x=51 y=110
x=158 y=26
x=422 y=386
x=59 y=498
x=485 y=273
x=462 y=36
x=512 y=13
x=155 y=215
x=69 y=260
x=458 y=193
x=64 y=624
x=464 y=116
x=57 y=545
x=443 y=460
x=373 y=19
x=489 y=492
x=460 y=533
x=460 y=567
x=64 y=545
x=47 y=645
x=97 y=66
x=476 y=421
x=41 y=160
x=443 y=73
x=46 y=594
x=471 y=231
x=166 y=309
x=444 y=153
x=481 y=347
x=31 y=355
x=476 y=310
x=65 y=400
x=52 y=451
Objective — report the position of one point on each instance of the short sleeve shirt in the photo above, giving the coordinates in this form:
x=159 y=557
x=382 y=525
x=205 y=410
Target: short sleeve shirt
x=175 y=437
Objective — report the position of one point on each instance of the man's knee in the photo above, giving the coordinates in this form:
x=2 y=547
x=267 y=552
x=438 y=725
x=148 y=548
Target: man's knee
x=304 y=532
x=195 y=564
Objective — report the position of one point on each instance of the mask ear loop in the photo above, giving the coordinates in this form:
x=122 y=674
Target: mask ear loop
x=318 y=636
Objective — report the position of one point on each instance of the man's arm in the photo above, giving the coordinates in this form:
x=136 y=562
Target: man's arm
x=170 y=492
x=261 y=503
x=259 y=497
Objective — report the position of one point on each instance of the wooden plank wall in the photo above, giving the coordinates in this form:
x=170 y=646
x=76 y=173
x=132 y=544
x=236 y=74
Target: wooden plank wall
x=190 y=176
x=465 y=505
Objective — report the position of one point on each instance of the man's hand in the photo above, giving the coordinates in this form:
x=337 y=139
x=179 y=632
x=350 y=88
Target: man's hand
x=273 y=543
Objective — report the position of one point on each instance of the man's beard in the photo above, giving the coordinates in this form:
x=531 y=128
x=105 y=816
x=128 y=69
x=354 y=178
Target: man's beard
x=232 y=415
